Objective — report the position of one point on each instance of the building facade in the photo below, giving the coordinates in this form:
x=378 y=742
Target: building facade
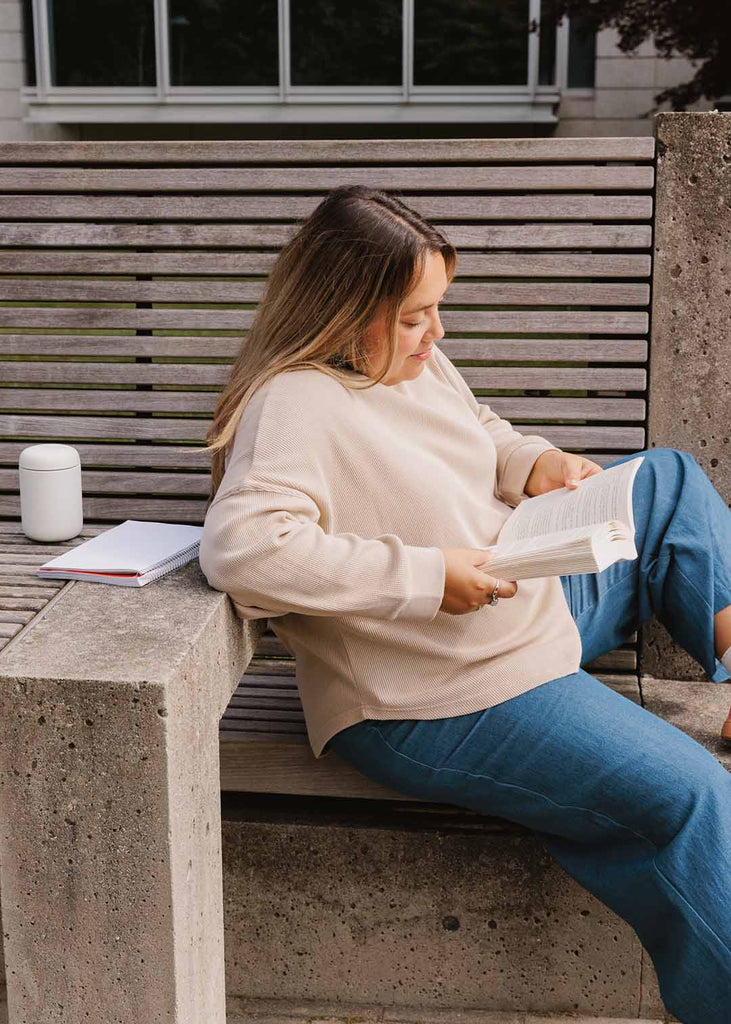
x=147 y=69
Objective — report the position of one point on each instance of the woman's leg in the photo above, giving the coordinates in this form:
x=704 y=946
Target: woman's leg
x=682 y=573
x=632 y=808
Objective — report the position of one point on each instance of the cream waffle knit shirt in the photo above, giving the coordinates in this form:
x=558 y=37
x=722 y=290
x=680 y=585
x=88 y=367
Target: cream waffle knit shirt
x=329 y=520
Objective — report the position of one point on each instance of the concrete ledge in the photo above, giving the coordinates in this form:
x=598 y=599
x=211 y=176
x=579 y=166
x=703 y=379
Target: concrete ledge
x=110 y=845
x=696 y=708
x=280 y=1011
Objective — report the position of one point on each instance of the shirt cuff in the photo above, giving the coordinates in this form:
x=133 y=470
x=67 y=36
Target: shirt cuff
x=428 y=576
x=518 y=468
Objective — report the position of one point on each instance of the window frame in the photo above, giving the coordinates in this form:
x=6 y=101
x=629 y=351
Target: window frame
x=165 y=103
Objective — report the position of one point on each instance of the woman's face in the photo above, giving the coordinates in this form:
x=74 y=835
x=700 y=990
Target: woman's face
x=419 y=326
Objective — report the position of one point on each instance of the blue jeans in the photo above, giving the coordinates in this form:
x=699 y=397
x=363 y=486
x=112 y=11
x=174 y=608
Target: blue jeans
x=630 y=806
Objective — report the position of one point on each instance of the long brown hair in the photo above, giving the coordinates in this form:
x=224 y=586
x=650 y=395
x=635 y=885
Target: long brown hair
x=360 y=251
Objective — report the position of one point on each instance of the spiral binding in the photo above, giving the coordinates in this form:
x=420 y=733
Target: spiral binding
x=186 y=555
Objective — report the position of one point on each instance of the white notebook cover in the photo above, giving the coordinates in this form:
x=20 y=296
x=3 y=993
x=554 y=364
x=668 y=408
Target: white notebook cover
x=135 y=546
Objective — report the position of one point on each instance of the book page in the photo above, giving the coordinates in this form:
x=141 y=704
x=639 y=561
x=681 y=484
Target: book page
x=559 y=541
x=597 y=499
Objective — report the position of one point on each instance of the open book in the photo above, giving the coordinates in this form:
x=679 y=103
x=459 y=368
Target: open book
x=569 y=531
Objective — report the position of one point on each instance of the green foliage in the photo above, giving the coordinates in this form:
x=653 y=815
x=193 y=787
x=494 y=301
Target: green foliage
x=699 y=31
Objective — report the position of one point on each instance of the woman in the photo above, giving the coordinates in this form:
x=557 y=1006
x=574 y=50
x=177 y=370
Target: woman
x=356 y=484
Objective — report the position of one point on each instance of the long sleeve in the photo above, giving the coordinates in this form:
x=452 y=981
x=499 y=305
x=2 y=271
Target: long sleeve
x=516 y=452
x=267 y=550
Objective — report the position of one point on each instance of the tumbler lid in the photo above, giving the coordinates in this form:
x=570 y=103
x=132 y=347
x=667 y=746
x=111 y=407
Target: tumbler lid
x=49 y=456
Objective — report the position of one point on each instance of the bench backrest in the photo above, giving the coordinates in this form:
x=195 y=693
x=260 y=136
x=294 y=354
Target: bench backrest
x=128 y=272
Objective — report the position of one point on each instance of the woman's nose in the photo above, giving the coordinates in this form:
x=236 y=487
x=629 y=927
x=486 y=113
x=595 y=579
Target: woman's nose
x=436 y=331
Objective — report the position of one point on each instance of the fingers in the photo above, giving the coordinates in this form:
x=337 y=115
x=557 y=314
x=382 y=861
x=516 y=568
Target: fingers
x=572 y=466
x=506 y=588
x=577 y=468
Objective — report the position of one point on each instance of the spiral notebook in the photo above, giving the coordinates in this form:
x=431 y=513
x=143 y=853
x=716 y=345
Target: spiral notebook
x=129 y=555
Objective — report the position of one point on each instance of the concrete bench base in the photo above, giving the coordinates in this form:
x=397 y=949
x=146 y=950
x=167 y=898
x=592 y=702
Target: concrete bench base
x=280 y=1011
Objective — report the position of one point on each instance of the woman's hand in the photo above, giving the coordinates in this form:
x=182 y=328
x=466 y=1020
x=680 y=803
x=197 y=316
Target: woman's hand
x=467 y=588
x=554 y=469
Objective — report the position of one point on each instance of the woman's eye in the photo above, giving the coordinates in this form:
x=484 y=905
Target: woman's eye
x=417 y=323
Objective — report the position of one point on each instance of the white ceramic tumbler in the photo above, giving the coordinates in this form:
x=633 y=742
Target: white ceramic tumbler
x=51 y=505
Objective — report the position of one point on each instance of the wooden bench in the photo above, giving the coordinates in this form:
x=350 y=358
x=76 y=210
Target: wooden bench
x=127 y=274
x=129 y=271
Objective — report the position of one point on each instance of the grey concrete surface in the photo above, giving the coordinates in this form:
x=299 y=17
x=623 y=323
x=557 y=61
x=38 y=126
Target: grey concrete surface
x=690 y=354
x=274 y=1011
x=435 y=919
x=110 y=845
x=697 y=708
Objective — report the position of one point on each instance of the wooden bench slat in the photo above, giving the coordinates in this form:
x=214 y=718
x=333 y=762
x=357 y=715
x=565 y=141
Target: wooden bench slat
x=157 y=428
x=268 y=236
x=540 y=409
x=494 y=321
x=330 y=151
x=15 y=616
x=255 y=714
x=514 y=408
x=603 y=378
x=207 y=291
x=244 y=727
x=119 y=509
x=227 y=264
x=17 y=581
x=21 y=557
x=31 y=604
x=609 y=350
x=151 y=456
x=271 y=692
x=567 y=377
x=36 y=595
x=291 y=208
x=112 y=427
x=8 y=569
x=414 y=177
x=124 y=482
x=250 y=678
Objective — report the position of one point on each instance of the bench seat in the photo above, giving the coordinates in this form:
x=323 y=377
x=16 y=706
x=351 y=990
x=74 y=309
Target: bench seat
x=263 y=738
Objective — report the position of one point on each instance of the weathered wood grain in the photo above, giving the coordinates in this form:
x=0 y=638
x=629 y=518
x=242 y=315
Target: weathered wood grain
x=330 y=151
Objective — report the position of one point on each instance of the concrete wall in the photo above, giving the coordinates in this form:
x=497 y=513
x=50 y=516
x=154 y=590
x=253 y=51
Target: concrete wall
x=625 y=86
x=624 y=90
x=12 y=69
x=690 y=356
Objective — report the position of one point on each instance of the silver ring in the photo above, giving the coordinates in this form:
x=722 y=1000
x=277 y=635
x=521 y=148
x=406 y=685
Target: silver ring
x=494 y=598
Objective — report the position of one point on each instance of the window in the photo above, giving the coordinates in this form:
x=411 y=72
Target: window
x=582 y=54
x=460 y=42
x=293 y=60
x=110 y=43
x=339 y=42
x=29 y=52
x=223 y=42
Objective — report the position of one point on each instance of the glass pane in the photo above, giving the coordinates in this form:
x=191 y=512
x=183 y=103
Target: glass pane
x=102 y=42
x=224 y=42
x=582 y=54
x=547 y=52
x=338 y=42
x=471 y=42
x=29 y=50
